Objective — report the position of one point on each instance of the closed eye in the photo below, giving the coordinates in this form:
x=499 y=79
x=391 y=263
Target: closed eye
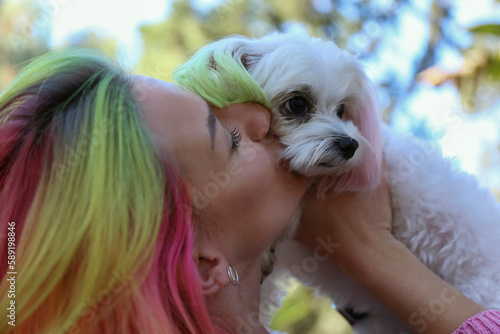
x=235 y=138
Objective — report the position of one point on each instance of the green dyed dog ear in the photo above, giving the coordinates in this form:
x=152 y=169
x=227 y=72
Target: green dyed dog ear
x=220 y=78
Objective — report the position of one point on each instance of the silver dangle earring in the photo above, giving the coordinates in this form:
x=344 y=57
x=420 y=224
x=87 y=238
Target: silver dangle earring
x=233 y=275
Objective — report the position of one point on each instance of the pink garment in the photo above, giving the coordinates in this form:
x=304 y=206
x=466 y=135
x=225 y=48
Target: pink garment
x=487 y=322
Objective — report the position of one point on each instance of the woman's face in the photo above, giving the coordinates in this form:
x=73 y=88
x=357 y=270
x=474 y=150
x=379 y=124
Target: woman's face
x=229 y=162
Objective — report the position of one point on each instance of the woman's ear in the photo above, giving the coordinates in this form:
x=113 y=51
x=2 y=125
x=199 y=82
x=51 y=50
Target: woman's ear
x=212 y=268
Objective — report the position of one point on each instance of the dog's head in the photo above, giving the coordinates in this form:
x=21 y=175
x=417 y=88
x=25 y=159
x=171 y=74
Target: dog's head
x=325 y=110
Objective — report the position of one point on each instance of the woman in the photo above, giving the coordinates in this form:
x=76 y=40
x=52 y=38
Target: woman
x=133 y=206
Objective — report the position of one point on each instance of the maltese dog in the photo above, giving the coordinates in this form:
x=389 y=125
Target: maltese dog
x=325 y=112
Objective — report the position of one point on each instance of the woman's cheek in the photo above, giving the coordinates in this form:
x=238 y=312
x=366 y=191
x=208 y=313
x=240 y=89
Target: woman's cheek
x=248 y=151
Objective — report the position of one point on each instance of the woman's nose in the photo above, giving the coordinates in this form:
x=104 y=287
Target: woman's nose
x=252 y=120
x=257 y=121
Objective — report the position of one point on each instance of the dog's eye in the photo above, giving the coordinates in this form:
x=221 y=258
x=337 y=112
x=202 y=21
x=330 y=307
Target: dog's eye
x=297 y=105
x=340 y=110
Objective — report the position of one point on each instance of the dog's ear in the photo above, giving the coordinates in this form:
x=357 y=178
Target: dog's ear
x=240 y=49
x=249 y=60
x=363 y=111
x=367 y=118
x=365 y=115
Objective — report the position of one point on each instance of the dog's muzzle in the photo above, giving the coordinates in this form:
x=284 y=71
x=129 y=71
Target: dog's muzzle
x=343 y=149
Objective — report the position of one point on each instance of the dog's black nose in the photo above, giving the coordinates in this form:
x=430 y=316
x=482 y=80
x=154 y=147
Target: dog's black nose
x=347 y=146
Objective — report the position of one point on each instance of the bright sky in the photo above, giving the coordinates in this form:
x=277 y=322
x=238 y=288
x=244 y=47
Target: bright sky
x=118 y=18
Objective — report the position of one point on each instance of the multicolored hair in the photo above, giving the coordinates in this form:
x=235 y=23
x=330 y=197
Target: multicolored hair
x=103 y=233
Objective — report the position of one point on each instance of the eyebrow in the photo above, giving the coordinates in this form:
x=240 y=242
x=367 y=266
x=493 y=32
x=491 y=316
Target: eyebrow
x=211 y=120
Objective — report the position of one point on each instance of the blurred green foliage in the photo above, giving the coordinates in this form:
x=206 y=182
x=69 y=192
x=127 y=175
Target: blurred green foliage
x=303 y=312
x=91 y=40
x=21 y=36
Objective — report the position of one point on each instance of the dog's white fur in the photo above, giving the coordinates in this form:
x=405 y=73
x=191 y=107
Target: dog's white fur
x=440 y=213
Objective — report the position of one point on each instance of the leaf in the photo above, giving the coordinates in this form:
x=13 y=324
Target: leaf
x=493 y=29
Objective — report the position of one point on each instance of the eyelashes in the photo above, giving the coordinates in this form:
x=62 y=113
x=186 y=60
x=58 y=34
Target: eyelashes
x=235 y=138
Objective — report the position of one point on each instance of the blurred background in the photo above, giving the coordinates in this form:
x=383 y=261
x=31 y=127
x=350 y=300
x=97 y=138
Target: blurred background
x=436 y=64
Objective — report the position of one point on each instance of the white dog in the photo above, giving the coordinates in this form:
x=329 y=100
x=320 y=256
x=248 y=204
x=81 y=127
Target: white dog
x=325 y=112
